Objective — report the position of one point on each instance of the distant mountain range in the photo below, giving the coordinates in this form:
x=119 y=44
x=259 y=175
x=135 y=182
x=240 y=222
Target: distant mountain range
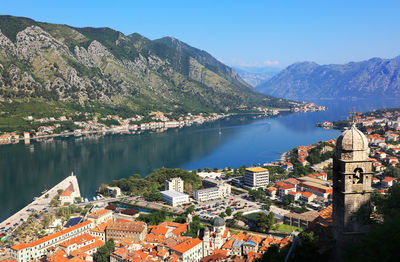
x=52 y=62
x=307 y=80
x=255 y=76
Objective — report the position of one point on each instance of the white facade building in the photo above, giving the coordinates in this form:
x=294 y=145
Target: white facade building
x=27 y=252
x=256 y=177
x=207 y=194
x=175 y=183
x=174 y=198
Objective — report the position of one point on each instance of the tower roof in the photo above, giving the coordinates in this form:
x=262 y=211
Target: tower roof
x=352 y=140
x=218 y=222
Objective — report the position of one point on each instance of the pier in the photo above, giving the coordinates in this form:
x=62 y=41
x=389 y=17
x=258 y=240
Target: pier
x=41 y=203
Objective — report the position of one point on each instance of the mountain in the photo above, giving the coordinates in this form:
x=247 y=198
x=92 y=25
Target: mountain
x=101 y=67
x=254 y=76
x=308 y=80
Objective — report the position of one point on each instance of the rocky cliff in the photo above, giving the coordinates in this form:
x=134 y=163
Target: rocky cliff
x=301 y=81
x=62 y=63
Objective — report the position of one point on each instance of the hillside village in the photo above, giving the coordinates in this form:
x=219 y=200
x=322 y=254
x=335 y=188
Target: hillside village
x=79 y=124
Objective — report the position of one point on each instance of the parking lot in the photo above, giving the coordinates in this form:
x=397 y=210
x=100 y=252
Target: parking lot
x=238 y=203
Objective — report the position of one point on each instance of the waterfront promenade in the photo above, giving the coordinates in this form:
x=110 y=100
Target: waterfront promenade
x=41 y=203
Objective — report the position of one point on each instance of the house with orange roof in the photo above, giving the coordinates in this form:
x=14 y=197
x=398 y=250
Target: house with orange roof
x=294 y=195
x=154 y=239
x=99 y=231
x=284 y=188
x=100 y=216
x=87 y=250
x=77 y=242
x=375 y=180
x=190 y=250
x=69 y=195
x=253 y=256
x=325 y=216
x=307 y=197
x=215 y=257
x=271 y=191
x=34 y=250
x=388 y=181
x=121 y=229
x=391 y=160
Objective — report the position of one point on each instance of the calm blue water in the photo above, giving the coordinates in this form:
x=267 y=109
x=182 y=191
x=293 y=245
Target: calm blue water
x=26 y=170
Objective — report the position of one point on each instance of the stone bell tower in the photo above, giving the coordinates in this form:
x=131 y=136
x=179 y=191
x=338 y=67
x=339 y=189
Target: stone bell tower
x=352 y=173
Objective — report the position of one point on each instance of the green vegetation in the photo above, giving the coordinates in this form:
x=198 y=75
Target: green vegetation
x=154 y=218
x=103 y=252
x=264 y=221
x=385 y=228
x=113 y=86
x=257 y=194
x=194 y=228
x=315 y=155
x=392 y=171
x=286 y=228
x=150 y=186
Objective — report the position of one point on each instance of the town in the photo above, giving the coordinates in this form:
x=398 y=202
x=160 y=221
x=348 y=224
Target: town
x=81 y=124
x=230 y=214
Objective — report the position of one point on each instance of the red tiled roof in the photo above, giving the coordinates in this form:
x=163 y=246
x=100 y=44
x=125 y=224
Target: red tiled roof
x=186 y=245
x=55 y=235
x=389 y=179
x=99 y=213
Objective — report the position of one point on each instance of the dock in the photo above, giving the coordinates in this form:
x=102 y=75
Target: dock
x=41 y=202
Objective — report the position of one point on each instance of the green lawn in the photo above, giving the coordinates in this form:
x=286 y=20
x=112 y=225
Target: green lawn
x=252 y=216
x=286 y=228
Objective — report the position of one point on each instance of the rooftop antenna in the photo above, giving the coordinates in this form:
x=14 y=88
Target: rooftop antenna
x=353 y=113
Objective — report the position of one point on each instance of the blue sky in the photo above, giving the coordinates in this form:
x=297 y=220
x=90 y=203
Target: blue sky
x=253 y=33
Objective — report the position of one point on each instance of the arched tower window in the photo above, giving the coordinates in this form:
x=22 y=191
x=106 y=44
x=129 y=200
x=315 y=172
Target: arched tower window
x=358 y=176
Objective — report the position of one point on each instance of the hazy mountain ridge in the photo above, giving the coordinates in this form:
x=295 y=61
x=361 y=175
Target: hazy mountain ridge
x=59 y=62
x=308 y=80
x=255 y=76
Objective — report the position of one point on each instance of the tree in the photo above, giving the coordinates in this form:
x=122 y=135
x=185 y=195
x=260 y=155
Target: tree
x=207 y=169
x=392 y=171
x=274 y=254
x=264 y=222
x=307 y=249
x=228 y=211
x=194 y=227
x=287 y=200
x=153 y=218
x=103 y=252
x=190 y=209
x=258 y=194
x=222 y=214
x=238 y=215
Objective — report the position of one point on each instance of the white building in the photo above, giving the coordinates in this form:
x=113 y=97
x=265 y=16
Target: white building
x=174 y=198
x=256 y=177
x=100 y=216
x=35 y=250
x=224 y=188
x=69 y=194
x=190 y=250
x=175 y=183
x=113 y=191
x=207 y=194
